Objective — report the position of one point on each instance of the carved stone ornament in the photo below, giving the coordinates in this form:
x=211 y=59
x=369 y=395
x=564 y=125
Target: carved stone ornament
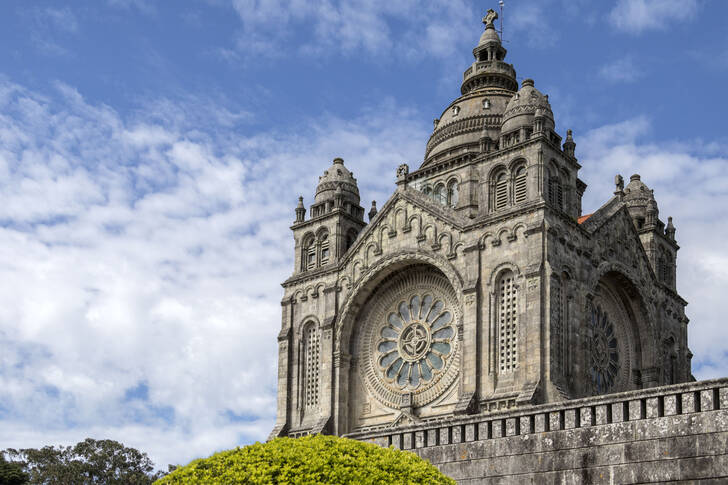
x=608 y=346
x=408 y=341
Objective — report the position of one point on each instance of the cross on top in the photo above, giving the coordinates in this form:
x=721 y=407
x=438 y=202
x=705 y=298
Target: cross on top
x=490 y=17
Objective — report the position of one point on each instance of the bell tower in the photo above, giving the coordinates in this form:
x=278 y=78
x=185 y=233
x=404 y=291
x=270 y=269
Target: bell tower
x=335 y=220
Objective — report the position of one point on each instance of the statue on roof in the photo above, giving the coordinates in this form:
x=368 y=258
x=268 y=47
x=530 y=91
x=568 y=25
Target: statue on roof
x=490 y=17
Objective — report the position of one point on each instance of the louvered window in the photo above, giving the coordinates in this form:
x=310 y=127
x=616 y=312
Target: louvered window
x=501 y=192
x=507 y=324
x=520 y=185
x=312 y=361
x=559 y=195
x=309 y=254
x=324 y=249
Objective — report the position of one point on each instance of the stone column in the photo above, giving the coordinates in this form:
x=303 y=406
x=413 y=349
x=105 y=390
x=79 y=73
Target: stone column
x=468 y=333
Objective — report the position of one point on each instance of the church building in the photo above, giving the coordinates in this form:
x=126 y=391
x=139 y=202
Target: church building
x=479 y=287
x=480 y=284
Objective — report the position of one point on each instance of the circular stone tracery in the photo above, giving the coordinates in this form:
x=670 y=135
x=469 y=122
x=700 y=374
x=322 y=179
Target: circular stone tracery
x=407 y=341
x=414 y=341
x=604 y=351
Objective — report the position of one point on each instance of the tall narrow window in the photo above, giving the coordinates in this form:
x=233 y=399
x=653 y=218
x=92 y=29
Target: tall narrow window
x=559 y=331
x=556 y=193
x=501 y=191
x=309 y=253
x=520 y=185
x=312 y=361
x=440 y=194
x=452 y=193
x=324 y=242
x=507 y=323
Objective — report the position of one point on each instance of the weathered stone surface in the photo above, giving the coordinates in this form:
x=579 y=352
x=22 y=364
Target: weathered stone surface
x=481 y=320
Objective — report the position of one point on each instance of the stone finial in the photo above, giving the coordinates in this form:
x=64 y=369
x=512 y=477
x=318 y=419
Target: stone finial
x=490 y=17
x=569 y=145
x=670 y=229
x=651 y=218
x=402 y=172
x=373 y=210
x=300 y=210
x=619 y=184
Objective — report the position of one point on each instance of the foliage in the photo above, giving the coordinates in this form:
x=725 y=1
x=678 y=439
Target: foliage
x=311 y=459
x=88 y=462
x=11 y=473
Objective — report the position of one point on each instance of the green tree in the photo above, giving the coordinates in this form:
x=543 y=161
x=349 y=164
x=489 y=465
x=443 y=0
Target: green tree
x=311 y=459
x=89 y=462
x=11 y=473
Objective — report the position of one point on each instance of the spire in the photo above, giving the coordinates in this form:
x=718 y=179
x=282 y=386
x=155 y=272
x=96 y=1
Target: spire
x=670 y=230
x=569 y=145
x=373 y=210
x=490 y=69
x=300 y=210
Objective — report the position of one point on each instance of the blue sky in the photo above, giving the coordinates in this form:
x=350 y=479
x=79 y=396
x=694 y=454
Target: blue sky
x=151 y=155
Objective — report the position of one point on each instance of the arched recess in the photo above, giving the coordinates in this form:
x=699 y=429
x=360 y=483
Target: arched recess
x=364 y=298
x=310 y=364
x=618 y=336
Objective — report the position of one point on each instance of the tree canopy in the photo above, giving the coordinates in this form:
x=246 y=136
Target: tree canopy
x=11 y=473
x=311 y=459
x=89 y=462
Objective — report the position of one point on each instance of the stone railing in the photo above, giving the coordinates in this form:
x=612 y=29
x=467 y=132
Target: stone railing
x=674 y=400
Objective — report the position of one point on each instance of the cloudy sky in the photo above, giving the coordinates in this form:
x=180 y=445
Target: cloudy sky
x=151 y=155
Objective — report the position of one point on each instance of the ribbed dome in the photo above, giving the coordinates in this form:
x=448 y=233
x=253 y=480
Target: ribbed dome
x=637 y=193
x=524 y=106
x=337 y=178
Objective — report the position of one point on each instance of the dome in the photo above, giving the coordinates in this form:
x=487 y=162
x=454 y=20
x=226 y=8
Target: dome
x=337 y=178
x=637 y=193
x=639 y=198
x=524 y=106
x=489 y=36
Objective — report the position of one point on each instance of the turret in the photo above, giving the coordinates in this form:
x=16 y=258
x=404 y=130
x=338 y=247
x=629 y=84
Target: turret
x=336 y=218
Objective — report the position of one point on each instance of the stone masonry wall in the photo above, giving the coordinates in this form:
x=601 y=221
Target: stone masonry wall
x=670 y=434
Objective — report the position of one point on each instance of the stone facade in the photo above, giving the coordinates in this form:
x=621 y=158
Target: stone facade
x=671 y=434
x=479 y=286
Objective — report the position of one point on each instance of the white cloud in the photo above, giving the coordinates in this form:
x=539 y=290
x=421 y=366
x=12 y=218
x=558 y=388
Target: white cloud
x=141 y=260
x=637 y=16
x=620 y=70
x=691 y=184
x=360 y=27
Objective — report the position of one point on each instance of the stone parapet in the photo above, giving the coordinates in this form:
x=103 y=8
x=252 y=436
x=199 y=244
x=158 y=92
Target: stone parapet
x=656 y=435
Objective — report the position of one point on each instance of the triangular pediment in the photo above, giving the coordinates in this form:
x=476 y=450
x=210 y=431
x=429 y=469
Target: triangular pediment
x=408 y=221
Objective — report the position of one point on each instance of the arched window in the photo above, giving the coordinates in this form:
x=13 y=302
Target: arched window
x=556 y=194
x=519 y=185
x=308 y=254
x=501 y=191
x=452 y=193
x=507 y=323
x=312 y=362
x=427 y=191
x=324 y=248
x=559 y=327
x=440 y=194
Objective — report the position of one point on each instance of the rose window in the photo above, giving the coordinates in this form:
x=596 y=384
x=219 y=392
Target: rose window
x=415 y=341
x=604 y=351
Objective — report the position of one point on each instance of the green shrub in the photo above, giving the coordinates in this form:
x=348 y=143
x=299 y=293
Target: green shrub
x=308 y=460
